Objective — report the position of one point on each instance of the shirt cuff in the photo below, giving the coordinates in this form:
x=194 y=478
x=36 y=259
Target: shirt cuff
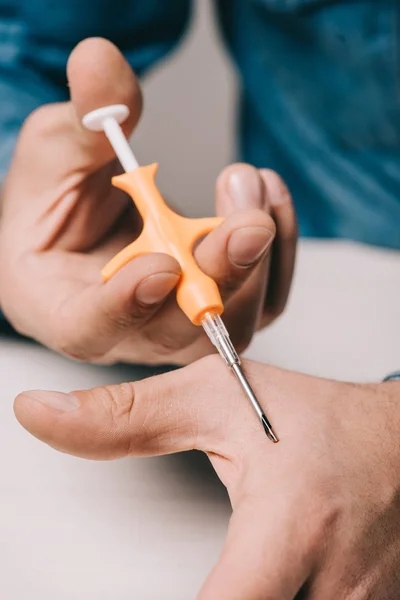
x=393 y=376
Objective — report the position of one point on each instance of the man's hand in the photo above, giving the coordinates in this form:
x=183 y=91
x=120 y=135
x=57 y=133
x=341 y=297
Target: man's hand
x=62 y=221
x=315 y=517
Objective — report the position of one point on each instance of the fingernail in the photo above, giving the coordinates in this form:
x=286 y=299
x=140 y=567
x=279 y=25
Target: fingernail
x=246 y=246
x=155 y=288
x=57 y=400
x=245 y=188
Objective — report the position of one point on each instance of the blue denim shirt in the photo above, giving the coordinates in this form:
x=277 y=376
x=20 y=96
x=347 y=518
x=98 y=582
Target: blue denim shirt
x=320 y=99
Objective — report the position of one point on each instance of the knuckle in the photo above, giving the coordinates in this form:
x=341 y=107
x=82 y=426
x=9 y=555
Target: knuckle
x=66 y=342
x=131 y=318
x=72 y=349
x=233 y=281
x=115 y=402
x=166 y=342
x=39 y=121
x=118 y=401
x=121 y=322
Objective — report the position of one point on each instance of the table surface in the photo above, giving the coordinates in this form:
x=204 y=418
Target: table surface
x=152 y=528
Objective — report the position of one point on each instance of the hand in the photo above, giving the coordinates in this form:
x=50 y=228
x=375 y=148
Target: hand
x=315 y=517
x=62 y=221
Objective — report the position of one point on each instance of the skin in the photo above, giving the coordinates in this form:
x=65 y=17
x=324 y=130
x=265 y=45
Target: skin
x=315 y=517
x=62 y=221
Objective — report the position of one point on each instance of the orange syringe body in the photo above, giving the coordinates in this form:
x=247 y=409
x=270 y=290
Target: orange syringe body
x=169 y=233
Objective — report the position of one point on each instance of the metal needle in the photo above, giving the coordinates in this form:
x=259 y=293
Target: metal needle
x=236 y=368
x=219 y=336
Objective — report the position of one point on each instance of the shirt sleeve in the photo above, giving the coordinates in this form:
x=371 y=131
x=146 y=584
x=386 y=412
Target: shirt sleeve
x=20 y=94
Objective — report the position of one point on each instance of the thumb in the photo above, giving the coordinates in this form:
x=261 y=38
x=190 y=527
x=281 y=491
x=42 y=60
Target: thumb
x=98 y=75
x=160 y=415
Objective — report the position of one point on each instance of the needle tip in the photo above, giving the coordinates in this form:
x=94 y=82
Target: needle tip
x=268 y=429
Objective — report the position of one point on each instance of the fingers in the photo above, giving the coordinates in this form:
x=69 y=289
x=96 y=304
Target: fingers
x=239 y=187
x=236 y=254
x=161 y=415
x=101 y=315
x=98 y=75
x=260 y=559
x=230 y=253
x=284 y=249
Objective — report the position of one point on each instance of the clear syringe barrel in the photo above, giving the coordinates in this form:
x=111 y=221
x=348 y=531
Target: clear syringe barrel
x=219 y=336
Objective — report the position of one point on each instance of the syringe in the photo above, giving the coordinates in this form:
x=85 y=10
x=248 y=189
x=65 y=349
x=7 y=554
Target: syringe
x=165 y=231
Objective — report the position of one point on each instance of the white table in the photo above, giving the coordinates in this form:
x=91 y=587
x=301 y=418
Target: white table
x=151 y=529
